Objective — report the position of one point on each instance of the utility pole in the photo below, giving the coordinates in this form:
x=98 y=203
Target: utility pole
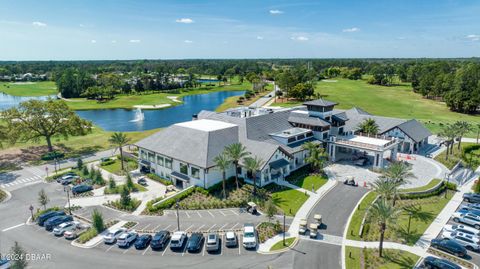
x=67 y=190
x=284 y=228
x=178 y=216
x=31 y=212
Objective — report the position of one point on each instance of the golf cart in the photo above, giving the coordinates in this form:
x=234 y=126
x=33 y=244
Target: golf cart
x=252 y=208
x=313 y=230
x=318 y=219
x=350 y=181
x=303 y=226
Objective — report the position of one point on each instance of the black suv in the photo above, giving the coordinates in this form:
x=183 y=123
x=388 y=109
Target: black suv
x=436 y=263
x=449 y=246
x=194 y=243
x=160 y=240
x=44 y=217
x=143 y=241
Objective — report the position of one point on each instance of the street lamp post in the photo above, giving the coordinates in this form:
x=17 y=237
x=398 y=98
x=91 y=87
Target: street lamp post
x=409 y=219
x=178 y=216
x=31 y=212
x=55 y=164
x=67 y=190
x=284 y=228
x=447 y=176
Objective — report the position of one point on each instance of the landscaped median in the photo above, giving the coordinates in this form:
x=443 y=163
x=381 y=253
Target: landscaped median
x=289 y=242
x=358 y=258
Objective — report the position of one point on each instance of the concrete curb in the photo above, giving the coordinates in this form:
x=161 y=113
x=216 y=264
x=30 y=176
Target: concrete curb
x=8 y=196
x=294 y=243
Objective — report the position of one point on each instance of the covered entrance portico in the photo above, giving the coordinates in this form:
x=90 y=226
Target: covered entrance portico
x=354 y=147
x=180 y=180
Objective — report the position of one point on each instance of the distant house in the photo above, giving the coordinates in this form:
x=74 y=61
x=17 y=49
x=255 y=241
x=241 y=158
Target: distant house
x=184 y=152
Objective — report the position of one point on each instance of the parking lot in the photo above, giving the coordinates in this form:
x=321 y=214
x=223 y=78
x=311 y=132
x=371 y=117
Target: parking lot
x=212 y=220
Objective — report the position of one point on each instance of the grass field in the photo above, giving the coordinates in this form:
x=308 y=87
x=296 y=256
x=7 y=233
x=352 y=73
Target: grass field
x=392 y=259
x=356 y=221
x=306 y=182
x=279 y=245
x=397 y=101
x=231 y=102
x=430 y=185
x=457 y=156
x=41 y=88
x=116 y=167
x=289 y=200
x=129 y=101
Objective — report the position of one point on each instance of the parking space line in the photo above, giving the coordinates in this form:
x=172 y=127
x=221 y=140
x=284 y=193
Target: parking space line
x=223 y=226
x=212 y=227
x=165 y=250
x=155 y=229
x=199 y=215
x=146 y=249
x=58 y=237
x=108 y=249
x=221 y=246
x=175 y=212
x=210 y=213
x=186 y=213
x=233 y=227
x=239 y=244
x=184 y=251
x=204 y=247
x=167 y=227
x=126 y=250
x=221 y=212
x=186 y=230
x=197 y=230
x=234 y=212
x=148 y=225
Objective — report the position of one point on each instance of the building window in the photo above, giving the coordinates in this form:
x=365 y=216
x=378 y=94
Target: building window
x=291 y=140
x=309 y=134
x=160 y=160
x=195 y=172
x=300 y=137
x=143 y=155
x=168 y=163
x=183 y=169
x=325 y=135
x=167 y=176
x=151 y=157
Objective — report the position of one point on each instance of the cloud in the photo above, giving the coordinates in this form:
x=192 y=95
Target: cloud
x=188 y=41
x=184 y=20
x=351 y=30
x=114 y=41
x=299 y=38
x=93 y=41
x=260 y=37
x=134 y=41
x=39 y=24
x=473 y=37
x=276 y=12
x=81 y=25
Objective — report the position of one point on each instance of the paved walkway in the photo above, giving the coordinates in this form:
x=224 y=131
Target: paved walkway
x=263 y=100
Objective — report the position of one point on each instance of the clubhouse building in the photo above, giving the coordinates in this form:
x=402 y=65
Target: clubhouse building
x=185 y=152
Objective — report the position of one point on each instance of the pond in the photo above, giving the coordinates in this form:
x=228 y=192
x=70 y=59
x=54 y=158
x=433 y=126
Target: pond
x=7 y=101
x=124 y=120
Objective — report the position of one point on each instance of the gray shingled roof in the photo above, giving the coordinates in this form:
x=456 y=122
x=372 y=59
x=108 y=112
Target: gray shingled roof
x=320 y=102
x=190 y=145
x=306 y=119
x=357 y=116
x=415 y=130
x=342 y=116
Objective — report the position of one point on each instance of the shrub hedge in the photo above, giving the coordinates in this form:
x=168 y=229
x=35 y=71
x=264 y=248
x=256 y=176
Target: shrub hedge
x=169 y=202
x=444 y=187
x=157 y=178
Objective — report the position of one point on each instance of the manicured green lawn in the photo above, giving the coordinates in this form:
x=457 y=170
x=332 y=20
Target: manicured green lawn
x=231 y=102
x=129 y=101
x=289 y=200
x=397 y=101
x=116 y=167
x=356 y=221
x=434 y=182
x=307 y=181
x=457 y=156
x=3 y=195
x=119 y=188
x=392 y=259
x=279 y=245
x=40 y=88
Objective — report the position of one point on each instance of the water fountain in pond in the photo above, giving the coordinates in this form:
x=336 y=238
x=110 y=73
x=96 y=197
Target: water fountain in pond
x=138 y=115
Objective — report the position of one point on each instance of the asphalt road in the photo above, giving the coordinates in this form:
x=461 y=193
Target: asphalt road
x=315 y=254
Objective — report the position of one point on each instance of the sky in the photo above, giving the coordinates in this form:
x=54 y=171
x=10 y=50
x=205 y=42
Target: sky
x=185 y=29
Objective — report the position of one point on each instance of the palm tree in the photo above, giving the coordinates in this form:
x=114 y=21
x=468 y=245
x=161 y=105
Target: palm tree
x=461 y=128
x=222 y=162
x=448 y=133
x=253 y=165
x=384 y=187
x=368 y=126
x=385 y=214
x=316 y=156
x=398 y=172
x=236 y=152
x=119 y=140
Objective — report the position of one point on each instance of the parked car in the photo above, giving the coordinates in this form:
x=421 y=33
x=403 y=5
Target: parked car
x=66 y=226
x=213 y=242
x=143 y=241
x=450 y=246
x=178 y=240
x=4 y=264
x=160 y=240
x=72 y=234
x=55 y=221
x=195 y=242
x=126 y=239
x=68 y=180
x=471 y=197
x=470 y=242
x=472 y=206
x=362 y=161
x=44 y=217
x=469 y=210
x=81 y=189
x=231 y=239
x=249 y=236
x=436 y=263
x=461 y=228
x=467 y=218
x=67 y=175
x=142 y=181
x=112 y=234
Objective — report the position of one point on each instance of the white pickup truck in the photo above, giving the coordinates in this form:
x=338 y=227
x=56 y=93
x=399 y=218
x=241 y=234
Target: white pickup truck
x=249 y=236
